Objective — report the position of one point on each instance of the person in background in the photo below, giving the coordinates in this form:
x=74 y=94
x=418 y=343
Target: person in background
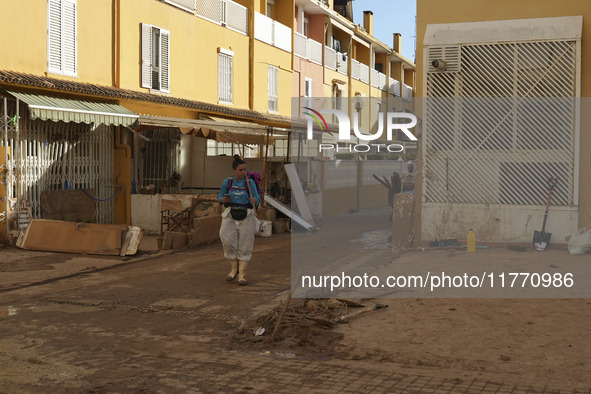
x=410 y=175
x=239 y=195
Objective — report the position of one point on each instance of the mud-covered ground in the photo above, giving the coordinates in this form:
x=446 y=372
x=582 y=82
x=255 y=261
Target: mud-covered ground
x=172 y=324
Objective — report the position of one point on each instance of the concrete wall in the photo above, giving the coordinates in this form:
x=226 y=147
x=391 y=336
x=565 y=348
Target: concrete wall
x=145 y=209
x=496 y=222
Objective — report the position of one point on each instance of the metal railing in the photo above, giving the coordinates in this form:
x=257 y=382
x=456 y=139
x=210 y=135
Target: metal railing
x=406 y=92
x=307 y=48
x=394 y=87
x=363 y=73
x=330 y=58
x=224 y=12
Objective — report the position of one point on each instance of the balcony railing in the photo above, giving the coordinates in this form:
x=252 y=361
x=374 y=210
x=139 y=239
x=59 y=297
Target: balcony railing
x=406 y=92
x=394 y=87
x=224 y=12
x=330 y=58
x=272 y=32
x=307 y=48
x=363 y=73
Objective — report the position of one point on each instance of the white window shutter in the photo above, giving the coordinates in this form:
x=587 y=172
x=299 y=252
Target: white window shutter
x=165 y=59
x=146 y=56
x=54 y=35
x=69 y=37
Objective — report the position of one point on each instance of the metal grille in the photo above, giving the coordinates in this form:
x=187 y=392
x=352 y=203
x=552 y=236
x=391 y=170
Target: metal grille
x=188 y=5
x=224 y=78
x=159 y=156
x=55 y=155
x=237 y=17
x=338 y=174
x=364 y=73
x=483 y=147
x=300 y=46
x=330 y=58
x=315 y=51
x=355 y=69
x=209 y=9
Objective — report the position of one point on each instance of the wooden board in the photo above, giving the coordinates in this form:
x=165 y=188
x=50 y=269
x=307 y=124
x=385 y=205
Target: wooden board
x=68 y=205
x=69 y=237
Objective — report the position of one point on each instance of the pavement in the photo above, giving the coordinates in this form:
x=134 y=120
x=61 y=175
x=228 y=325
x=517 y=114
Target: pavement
x=166 y=322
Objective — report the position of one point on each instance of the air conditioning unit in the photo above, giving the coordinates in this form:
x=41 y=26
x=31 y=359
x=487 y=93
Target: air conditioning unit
x=444 y=59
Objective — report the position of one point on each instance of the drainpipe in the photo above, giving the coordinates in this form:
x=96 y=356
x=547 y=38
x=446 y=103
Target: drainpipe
x=120 y=182
x=251 y=55
x=116 y=41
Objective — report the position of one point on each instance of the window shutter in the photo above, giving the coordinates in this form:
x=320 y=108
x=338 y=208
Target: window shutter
x=146 y=56
x=69 y=37
x=165 y=58
x=54 y=35
x=224 y=78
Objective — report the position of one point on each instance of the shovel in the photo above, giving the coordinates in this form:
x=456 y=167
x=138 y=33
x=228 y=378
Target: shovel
x=542 y=238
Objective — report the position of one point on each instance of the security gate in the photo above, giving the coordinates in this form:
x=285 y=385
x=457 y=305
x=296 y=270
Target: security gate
x=50 y=155
x=501 y=119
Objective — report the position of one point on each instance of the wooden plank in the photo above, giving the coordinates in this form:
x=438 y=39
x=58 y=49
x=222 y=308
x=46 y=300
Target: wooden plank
x=69 y=237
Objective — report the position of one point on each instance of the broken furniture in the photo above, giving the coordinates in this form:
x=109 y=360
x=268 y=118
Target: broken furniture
x=173 y=217
x=90 y=238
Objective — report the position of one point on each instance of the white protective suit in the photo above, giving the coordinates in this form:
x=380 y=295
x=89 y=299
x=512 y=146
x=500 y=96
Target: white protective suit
x=237 y=236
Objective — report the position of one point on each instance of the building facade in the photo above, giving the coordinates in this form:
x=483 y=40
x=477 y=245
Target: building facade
x=123 y=96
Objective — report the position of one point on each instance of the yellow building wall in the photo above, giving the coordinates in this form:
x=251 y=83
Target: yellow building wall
x=433 y=11
x=23 y=25
x=194 y=44
x=267 y=55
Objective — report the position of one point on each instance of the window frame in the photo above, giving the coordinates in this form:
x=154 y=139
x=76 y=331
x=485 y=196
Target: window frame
x=228 y=55
x=147 y=67
x=62 y=68
x=273 y=89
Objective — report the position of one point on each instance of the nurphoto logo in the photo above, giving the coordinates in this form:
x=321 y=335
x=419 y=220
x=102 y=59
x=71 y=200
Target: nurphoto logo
x=392 y=119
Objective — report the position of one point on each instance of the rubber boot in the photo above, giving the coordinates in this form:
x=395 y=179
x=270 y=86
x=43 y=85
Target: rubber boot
x=233 y=271
x=242 y=273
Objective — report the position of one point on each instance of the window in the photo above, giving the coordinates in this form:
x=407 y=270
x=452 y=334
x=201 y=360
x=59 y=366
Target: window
x=225 y=75
x=305 y=27
x=155 y=58
x=273 y=89
x=61 y=37
x=270 y=4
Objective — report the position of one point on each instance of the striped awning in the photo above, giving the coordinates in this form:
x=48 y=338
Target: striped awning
x=77 y=111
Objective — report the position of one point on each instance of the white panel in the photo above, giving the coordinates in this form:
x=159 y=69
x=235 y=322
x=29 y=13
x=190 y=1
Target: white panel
x=54 y=38
x=300 y=45
x=146 y=56
x=282 y=36
x=237 y=17
x=263 y=28
x=315 y=51
x=330 y=58
x=209 y=9
x=188 y=5
x=69 y=37
x=165 y=60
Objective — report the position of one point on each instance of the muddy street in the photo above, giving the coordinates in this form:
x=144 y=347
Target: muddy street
x=173 y=324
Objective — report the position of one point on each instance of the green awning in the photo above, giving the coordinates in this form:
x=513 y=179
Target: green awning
x=72 y=110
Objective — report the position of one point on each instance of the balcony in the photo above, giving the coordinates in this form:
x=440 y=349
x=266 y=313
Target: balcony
x=406 y=92
x=307 y=48
x=394 y=87
x=224 y=12
x=379 y=80
x=359 y=71
x=272 y=32
x=336 y=60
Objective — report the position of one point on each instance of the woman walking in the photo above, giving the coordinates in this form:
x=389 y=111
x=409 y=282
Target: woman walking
x=239 y=194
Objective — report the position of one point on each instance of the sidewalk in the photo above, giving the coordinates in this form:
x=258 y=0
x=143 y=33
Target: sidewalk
x=22 y=268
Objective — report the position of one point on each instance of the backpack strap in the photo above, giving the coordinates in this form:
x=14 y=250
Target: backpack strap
x=230 y=183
